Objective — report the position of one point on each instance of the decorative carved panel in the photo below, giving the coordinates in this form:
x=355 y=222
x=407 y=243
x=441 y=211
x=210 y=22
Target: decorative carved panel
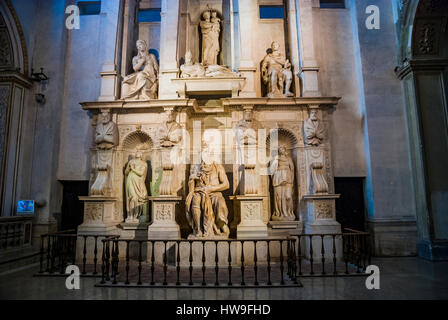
x=93 y=212
x=323 y=209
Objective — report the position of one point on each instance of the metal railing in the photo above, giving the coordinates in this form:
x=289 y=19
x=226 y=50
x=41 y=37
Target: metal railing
x=198 y=263
x=58 y=250
x=206 y=262
x=15 y=232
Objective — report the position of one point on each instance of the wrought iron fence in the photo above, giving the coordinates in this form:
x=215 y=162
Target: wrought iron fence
x=206 y=263
x=243 y=266
x=58 y=250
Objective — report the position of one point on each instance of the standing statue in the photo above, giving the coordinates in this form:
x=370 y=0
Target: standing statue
x=282 y=170
x=314 y=131
x=136 y=193
x=142 y=84
x=276 y=73
x=206 y=208
x=210 y=30
x=106 y=137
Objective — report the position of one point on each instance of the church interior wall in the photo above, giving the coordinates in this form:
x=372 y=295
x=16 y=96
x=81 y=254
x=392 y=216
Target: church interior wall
x=337 y=76
x=62 y=131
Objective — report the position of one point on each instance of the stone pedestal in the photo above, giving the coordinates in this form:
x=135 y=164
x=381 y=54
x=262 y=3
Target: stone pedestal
x=251 y=225
x=209 y=86
x=98 y=215
x=321 y=219
x=284 y=228
x=163 y=220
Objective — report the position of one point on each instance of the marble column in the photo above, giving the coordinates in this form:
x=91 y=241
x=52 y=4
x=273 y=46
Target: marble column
x=310 y=68
x=247 y=66
x=294 y=46
x=168 y=48
x=110 y=11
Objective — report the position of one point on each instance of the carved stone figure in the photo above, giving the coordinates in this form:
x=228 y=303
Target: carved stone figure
x=282 y=170
x=276 y=73
x=170 y=138
x=210 y=29
x=170 y=131
x=106 y=133
x=246 y=129
x=206 y=208
x=195 y=70
x=190 y=69
x=314 y=131
x=106 y=137
x=142 y=84
x=136 y=193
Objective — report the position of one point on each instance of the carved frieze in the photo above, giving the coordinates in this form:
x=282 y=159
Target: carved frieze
x=93 y=212
x=250 y=210
x=323 y=209
x=164 y=211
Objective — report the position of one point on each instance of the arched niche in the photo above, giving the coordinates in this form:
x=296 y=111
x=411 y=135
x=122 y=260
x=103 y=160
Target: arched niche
x=285 y=137
x=133 y=142
x=14 y=55
x=288 y=139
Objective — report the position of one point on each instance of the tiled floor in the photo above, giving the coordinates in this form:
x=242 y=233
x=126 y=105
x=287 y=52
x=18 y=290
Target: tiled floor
x=401 y=278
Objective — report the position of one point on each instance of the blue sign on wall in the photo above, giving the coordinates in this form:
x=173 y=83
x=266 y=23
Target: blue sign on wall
x=25 y=207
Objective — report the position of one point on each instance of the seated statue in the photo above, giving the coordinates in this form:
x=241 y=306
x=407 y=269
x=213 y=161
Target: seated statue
x=206 y=208
x=142 y=84
x=276 y=73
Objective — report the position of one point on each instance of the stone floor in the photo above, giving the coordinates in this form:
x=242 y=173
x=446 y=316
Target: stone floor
x=401 y=278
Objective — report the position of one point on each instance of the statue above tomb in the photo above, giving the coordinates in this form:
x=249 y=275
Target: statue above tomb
x=210 y=29
x=190 y=69
x=276 y=73
x=142 y=84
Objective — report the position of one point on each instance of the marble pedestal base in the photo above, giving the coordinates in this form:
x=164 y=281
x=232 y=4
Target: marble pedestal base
x=321 y=219
x=251 y=225
x=284 y=228
x=98 y=215
x=164 y=224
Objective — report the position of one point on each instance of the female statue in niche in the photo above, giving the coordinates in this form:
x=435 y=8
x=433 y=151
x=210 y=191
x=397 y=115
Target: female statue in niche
x=282 y=170
x=136 y=192
x=142 y=84
x=210 y=29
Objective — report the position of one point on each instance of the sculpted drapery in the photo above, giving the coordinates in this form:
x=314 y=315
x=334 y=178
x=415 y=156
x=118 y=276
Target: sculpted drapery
x=282 y=169
x=206 y=208
x=210 y=29
x=142 y=84
x=136 y=192
x=314 y=131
